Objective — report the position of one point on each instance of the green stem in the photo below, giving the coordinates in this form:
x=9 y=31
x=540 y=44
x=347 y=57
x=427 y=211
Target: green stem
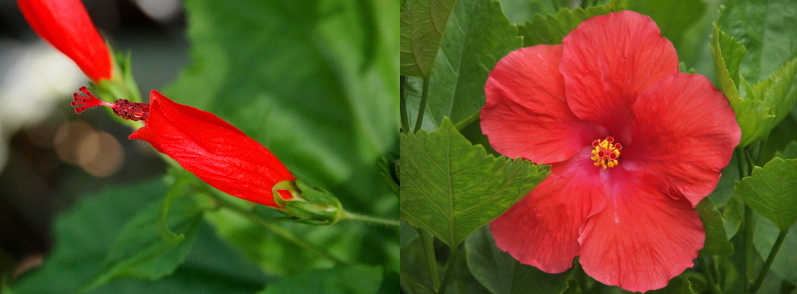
x=422 y=105
x=768 y=263
x=370 y=219
x=708 y=274
x=268 y=225
x=749 y=251
x=405 y=124
x=449 y=269
x=431 y=260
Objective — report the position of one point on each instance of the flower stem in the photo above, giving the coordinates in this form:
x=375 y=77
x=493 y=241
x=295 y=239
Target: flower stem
x=431 y=260
x=709 y=277
x=405 y=124
x=422 y=105
x=449 y=269
x=749 y=251
x=369 y=219
x=268 y=225
x=768 y=263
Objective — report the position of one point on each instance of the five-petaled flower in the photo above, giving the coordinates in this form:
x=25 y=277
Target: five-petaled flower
x=202 y=143
x=633 y=146
x=66 y=25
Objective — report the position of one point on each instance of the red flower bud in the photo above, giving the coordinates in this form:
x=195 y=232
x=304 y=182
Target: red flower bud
x=66 y=25
x=202 y=143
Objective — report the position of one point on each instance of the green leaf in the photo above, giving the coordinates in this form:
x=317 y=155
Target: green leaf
x=478 y=36
x=766 y=28
x=423 y=23
x=785 y=263
x=551 y=29
x=716 y=240
x=147 y=248
x=355 y=279
x=732 y=216
x=678 y=285
x=408 y=234
x=86 y=233
x=501 y=273
x=790 y=152
x=672 y=17
x=772 y=191
x=761 y=27
x=519 y=11
x=451 y=188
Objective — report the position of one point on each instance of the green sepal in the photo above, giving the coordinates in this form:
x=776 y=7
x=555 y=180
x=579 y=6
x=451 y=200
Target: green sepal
x=309 y=205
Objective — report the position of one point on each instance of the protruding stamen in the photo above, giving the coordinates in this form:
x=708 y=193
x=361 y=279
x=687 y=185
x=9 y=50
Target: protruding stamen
x=606 y=152
x=123 y=108
x=81 y=102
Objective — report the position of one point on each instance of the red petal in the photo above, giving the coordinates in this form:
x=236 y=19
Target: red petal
x=542 y=229
x=608 y=61
x=642 y=238
x=66 y=25
x=684 y=132
x=212 y=149
x=526 y=114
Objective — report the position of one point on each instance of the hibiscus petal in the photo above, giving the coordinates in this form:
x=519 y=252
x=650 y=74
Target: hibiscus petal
x=542 y=229
x=684 y=132
x=642 y=238
x=526 y=114
x=608 y=61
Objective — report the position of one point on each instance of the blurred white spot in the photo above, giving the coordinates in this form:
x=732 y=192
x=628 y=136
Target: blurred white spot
x=161 y=10
x=33 y=77
x=97 y=152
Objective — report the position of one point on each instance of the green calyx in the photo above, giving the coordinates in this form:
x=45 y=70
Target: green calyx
x=308 y=205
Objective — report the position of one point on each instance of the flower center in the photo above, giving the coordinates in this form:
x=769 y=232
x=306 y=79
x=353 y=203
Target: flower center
x=606 y=152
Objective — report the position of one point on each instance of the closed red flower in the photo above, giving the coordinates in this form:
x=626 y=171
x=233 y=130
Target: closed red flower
x=202 y=143
x=633 y=146
x=66 y=25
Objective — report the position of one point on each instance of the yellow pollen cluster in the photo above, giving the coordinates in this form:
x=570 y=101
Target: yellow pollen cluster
x=606 y=152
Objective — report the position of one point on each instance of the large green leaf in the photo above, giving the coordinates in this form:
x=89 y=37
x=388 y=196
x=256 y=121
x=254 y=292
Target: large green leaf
x=716 y=240
x=766 y=28
x=772 y=191
x=501 y=273
x=785 y=264
x=478 y=36
x=152 y=245
x=551 y=29
x=355 y=279
x=451 y=188
x=87 y=233
x=423 y=23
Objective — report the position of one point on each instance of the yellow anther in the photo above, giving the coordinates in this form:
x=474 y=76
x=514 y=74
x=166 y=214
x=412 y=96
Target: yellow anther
x=606 y=152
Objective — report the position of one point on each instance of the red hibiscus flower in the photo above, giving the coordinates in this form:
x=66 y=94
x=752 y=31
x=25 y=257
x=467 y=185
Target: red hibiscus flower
x=66 y=25
x=202 y=143
x=633 y=146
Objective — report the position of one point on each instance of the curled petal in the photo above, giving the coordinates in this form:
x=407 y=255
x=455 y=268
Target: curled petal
x=684 y=132
x=526 y=114
x=212 y=149
x=543 y=228
x=608 y=61
x=642 y=238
